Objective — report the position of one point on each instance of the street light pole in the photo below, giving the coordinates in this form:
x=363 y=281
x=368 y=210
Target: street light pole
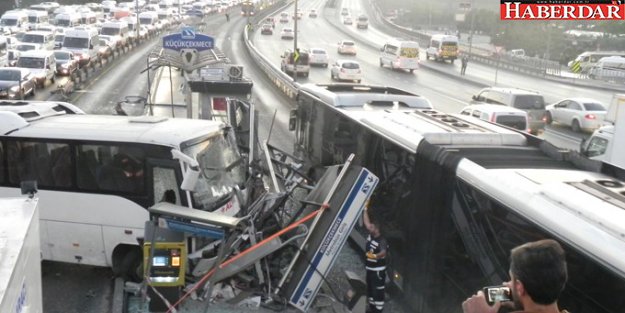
x=472 y=26
x=295 y=41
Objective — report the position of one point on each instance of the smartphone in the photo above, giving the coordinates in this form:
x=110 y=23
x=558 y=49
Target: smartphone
x=497 y=294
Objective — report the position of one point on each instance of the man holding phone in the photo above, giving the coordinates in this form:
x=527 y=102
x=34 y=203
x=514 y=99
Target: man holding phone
x=538 y=274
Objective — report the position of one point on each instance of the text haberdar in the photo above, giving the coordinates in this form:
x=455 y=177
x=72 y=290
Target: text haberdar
x=562 y=10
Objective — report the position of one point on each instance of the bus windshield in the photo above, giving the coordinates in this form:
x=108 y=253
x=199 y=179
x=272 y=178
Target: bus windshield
x=221 y=168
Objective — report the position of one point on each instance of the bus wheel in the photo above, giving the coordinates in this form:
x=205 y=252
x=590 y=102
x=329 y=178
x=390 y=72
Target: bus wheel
x=132 y=266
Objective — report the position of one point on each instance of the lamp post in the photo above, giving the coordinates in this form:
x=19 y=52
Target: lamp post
x=295 y=52
x=472 y=26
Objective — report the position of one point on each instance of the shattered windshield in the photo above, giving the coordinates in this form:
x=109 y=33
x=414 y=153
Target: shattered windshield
x=221 y=168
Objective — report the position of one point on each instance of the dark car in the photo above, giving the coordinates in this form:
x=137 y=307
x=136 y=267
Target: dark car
x=16 y=83
x=65 y=62
x=266 y=29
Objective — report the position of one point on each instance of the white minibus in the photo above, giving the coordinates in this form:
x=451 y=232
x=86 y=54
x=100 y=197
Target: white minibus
x=399 y=54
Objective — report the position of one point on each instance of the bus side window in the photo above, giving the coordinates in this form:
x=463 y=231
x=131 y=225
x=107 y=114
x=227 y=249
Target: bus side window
x=165 y=185
x=2 y=168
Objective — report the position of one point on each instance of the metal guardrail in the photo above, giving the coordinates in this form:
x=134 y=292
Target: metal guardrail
x=283 y=81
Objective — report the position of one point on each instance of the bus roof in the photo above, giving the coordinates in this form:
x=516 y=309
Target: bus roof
x=585 y=209
x=409 y=129
x=142 y=129
x=365 y=96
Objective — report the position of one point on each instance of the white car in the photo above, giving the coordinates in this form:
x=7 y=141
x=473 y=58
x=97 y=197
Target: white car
x=347 y=47
x=318 y=56
x=287 y=33
x=346 y=70
x=581 y=114
x=113 y=41
x=347 y=20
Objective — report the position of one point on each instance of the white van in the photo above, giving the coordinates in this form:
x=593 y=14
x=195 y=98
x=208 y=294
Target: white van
x=362 y=22
x=400 y=54
x=442 y=47
x=148 y=19
x=41 y=63
x=13 y=22
x=585 y=61
x=529 y=101
x=68 y=19
x=37 y=18
x=608 y=68
x=118 y=29
x=499 y=114
x=84 y=42
x=288 y=66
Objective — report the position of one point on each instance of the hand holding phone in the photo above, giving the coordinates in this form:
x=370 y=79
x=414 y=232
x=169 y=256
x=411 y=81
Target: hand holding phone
x=497 y=294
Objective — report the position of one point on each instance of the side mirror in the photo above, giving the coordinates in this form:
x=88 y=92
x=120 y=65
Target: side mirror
x=582 y=147
x=90 y=46
x=292 y=120
x=191 y=175
x=475 y=97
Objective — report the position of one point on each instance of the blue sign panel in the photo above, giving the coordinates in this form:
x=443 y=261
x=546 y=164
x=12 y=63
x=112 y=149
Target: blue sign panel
x=196 y=229
x=188 y=39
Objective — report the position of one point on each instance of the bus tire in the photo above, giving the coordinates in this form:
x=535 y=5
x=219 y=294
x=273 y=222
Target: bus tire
x=131 y=267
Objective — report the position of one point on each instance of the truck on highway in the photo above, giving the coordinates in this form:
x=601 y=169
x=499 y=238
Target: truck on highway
x=601 y=145
x=248 y=8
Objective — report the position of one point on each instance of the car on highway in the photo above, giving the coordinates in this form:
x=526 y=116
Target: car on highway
x=318 y=56
x=581 y=114
x=40 y=63
x=284 y=17
x=347 y=20
x=312 y=13
x=299 y=14
x=266 y=29
x=346 y=70
x=299 y=66
x=529 y=101
x=16 y=83
x=113 y=40
x=344 y=11
x=65 y=62
x=287 y=33
x=106 y=47
x=271 y=20
x=346 y=47
x=499 y=114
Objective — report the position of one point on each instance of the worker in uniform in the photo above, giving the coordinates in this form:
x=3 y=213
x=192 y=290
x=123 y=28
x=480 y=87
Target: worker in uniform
x=376 y=249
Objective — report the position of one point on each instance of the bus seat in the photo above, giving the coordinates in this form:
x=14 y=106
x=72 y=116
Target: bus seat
x=86 y=167
x=61 y=167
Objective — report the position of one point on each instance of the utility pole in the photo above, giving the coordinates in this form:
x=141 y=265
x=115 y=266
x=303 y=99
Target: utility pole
x=295 y=52
x=137 y=26
x=472 y=26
